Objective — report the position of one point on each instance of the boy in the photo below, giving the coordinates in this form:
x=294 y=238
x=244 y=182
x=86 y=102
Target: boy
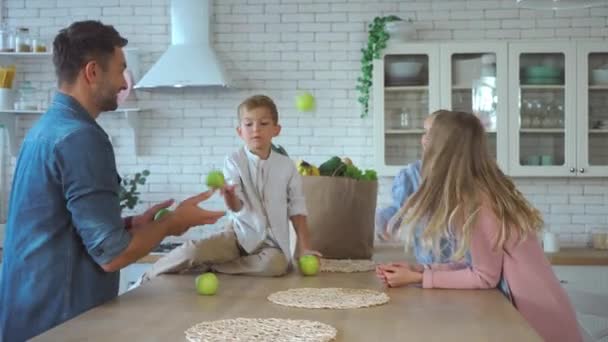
x=263 y=193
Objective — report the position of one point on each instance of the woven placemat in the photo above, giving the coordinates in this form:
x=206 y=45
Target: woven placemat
x=261 y=329
x=328 y=298
x=347 y=265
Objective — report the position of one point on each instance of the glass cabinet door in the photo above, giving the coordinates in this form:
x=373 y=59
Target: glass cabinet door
x=544 y=133
x=476 y=82
x=406 y=104
x=541 y=109
x=593 y=116
x=401 y=104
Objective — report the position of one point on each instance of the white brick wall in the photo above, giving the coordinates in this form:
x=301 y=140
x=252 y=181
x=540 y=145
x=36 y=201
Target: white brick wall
x=279 y=48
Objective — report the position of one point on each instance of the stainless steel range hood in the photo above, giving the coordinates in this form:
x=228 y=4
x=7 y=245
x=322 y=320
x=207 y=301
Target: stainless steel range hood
x=190 y=60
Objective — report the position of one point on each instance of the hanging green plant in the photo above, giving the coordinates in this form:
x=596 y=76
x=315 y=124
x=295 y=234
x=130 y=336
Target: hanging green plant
x=376 y=42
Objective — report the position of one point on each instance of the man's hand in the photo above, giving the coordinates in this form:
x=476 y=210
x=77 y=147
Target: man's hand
x=148 y=215
x=189 y=214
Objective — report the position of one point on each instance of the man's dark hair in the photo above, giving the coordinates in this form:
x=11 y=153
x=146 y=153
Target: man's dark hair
x=80 y=43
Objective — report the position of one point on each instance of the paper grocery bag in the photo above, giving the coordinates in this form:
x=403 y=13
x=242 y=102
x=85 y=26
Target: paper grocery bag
x=341 y=216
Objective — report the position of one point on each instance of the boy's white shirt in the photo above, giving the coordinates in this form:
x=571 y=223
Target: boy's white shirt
x=280 y=187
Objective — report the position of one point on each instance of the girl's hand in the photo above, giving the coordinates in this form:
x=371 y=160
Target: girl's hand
x=381 y=276
x=413 y=267
x=397 y=276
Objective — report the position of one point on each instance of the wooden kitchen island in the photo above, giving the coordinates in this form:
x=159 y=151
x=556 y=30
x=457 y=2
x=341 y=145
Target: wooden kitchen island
x=164 y=308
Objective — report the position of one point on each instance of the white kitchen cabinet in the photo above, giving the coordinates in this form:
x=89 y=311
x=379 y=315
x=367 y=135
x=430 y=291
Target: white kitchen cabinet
x=592 y=101
x=544 y=110
x=558 y=123
x=130 y=274
x=474 y=79
x=542 y=103
x=592 y=279
x=452 y=76
x=405 y=91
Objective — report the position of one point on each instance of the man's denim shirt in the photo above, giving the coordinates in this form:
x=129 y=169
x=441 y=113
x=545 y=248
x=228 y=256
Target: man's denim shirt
x=63 y=223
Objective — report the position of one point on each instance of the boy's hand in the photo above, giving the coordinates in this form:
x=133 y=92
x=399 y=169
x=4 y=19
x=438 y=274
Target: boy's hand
x=228 y=190
x=230 y=198
x=311 y=252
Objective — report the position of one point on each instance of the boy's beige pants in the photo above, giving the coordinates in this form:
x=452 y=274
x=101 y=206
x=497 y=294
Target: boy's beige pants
x=220 y=253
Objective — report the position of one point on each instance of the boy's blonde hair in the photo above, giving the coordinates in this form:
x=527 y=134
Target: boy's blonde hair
x=458 y=173
x=257 y=101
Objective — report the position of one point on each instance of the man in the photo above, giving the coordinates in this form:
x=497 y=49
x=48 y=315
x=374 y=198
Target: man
x=65 y=239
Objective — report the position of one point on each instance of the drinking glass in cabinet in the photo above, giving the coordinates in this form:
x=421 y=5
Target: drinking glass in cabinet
x=404 y=118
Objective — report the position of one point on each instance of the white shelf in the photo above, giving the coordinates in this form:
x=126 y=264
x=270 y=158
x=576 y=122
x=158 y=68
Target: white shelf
x=599 y=87
x=461 y=87
x=408 y=88
x=599 y=130
x=541 y=130
x=542 y=86
x=404 y=131
x=8 y=120
x=25 y=54
x=22 y=111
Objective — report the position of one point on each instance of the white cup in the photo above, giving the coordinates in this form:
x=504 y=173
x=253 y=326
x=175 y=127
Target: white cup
x=550 y=242
x=7 y=98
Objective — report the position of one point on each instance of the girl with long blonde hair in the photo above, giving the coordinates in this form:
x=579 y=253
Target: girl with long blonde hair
x=465 y=198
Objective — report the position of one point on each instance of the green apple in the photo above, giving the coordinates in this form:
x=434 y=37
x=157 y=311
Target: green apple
x=309 y=265
x=207 y=284
x=161 y=213
x=215 y=179
x=305 y=102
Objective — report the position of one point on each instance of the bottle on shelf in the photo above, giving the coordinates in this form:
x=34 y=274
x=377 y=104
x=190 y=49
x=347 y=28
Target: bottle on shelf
x=23 y=41
x=7 y=39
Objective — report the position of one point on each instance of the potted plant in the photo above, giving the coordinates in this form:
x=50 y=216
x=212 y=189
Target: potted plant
x=376 y=42
x=129 y=196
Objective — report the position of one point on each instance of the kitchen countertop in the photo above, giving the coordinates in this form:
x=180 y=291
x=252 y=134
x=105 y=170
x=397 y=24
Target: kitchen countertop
x=575 y=256
x=164 y=308
x=579 y=257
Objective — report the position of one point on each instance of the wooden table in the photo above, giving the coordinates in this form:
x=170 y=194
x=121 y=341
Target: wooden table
x=164 y=308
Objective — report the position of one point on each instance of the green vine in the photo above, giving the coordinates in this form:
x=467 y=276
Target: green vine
x=376 y=42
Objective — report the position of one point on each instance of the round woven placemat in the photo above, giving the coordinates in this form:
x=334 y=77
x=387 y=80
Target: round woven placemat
x=347 y=265
x=328 y=298
x=261 y=329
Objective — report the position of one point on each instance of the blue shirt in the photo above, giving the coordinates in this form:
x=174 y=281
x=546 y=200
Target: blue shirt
x=405 y=184
x=63 y=223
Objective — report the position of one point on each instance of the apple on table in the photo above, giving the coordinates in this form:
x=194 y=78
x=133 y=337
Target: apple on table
x=309 y=265
x=207 y=284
